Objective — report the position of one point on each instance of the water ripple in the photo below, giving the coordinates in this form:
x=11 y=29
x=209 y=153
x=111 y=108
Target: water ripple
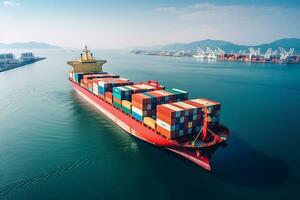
x=33 y=180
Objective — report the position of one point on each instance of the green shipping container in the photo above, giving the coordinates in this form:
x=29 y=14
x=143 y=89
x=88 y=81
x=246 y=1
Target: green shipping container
x=117 y=105
x=126 y=110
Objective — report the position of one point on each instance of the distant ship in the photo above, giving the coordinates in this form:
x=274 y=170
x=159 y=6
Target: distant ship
x=161 y=116
x=9 y=61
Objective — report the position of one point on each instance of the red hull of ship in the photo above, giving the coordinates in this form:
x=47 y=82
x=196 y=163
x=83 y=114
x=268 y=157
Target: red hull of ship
x=138 y=129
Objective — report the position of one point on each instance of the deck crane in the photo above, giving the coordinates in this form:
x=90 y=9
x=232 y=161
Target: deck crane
x=203 y=133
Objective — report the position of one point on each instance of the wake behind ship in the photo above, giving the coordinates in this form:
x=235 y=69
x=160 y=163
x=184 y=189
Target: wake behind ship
x=164 y=117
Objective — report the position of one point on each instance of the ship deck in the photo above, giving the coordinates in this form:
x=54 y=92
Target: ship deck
x=146 y=133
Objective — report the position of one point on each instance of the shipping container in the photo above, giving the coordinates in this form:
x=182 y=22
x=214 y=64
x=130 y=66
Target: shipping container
x=136 y=116
x=107 y=84
x=125 y=92
x=126 y=104
x=213 y=110
x=182 y=95
x=150 y=122
x=126 y=110
x=117 y=105
x=179 y=119
x=77 y=77
x=118 y=101
x=99 y=75
x=96 y=76
x=145 y=103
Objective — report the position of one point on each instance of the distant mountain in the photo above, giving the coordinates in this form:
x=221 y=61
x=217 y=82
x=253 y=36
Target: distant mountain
x=229 y=46
x=285 y=43
x=192 y=46
x=27 y=45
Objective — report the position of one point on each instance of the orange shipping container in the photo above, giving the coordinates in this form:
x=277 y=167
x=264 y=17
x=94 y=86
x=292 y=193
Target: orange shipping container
x=163 y=131
x=109 y=100
x=117 y=100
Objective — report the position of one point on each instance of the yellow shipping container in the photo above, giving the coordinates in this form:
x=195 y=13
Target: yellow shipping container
x=150 y=122
x=190 y=124
x=126 y=104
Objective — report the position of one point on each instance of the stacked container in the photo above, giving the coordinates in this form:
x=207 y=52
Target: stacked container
x=109 y=97
x=77 y=77
x=150 y=122
x=213 y=109
x=88 y=77
x=181 y=95
x=126 y=106
x=103 y=85
x=179 y=119
x=100 y=75
x=90 y=85
x=144 y=104
x=125 y=92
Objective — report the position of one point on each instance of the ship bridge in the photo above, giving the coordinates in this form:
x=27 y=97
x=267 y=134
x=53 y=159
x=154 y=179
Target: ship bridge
x=86 y=63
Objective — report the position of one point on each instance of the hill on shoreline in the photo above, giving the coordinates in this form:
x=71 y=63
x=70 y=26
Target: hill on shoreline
x=229 y=46
x=27 y=45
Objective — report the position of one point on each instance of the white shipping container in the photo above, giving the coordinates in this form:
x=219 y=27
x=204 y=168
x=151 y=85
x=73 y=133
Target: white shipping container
x=175 y=89
x=163 y=124
x=137 y=111
x=95 y=89
x=71 y=75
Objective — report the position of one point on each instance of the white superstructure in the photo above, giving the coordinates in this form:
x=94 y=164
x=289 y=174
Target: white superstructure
x=27 y=56
x=8 y=58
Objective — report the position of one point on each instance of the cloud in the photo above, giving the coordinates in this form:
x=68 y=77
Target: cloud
x=203 y=6
x=11 y=3
x=238 y=23
x=166 y=9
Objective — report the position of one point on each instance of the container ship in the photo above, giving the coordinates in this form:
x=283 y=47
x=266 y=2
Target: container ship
x=164 y=117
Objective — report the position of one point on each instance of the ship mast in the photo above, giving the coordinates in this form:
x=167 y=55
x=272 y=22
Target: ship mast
x=86 y=52
x=88 y=57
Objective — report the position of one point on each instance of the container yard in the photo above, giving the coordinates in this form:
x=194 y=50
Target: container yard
x=162 y=116
x=280 y=55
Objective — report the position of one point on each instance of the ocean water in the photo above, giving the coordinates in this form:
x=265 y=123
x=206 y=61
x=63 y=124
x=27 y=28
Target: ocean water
x=54 y=145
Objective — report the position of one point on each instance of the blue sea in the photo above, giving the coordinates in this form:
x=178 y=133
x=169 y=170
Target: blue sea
x=54 y=145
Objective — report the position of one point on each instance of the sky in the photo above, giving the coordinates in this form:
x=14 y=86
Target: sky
x=137 y=23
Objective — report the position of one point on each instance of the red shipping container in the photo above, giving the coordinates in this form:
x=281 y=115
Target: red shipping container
x=108 y=94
